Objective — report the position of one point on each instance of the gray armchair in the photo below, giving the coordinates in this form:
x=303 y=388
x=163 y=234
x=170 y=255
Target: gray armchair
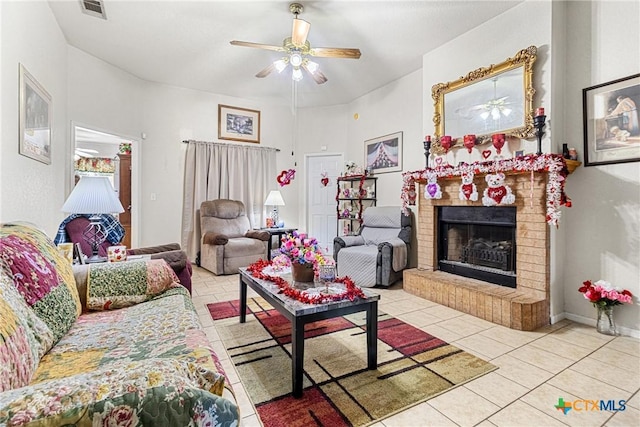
x=228 y=242
x=380 y=252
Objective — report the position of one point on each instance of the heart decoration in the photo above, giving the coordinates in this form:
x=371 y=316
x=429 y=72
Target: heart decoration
x=486 y=154
x=285 y=177
x=325 y=179
x=439 y=161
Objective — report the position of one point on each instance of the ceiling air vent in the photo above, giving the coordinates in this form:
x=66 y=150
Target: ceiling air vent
x=93 y=8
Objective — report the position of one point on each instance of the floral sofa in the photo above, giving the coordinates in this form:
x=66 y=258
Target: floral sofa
x=112 y=344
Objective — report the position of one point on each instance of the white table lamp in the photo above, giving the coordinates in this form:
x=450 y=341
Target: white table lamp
x=274 y=199
x=93 y=195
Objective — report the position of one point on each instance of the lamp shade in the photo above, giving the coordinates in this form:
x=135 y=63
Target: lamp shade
x=274 y=199
x=93 y=195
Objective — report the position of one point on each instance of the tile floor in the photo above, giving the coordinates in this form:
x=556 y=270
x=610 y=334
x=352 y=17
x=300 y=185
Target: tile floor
x=567 y=360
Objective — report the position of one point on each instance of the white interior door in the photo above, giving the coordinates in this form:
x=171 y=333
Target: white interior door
x=321 y=199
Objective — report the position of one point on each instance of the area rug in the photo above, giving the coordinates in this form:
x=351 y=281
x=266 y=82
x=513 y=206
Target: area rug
x=339 y=390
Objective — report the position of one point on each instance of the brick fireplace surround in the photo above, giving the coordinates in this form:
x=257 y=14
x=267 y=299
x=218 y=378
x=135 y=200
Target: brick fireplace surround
x=527 y=306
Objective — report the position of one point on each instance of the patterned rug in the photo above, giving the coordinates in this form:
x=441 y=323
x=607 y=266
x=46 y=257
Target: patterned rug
x=339 y=390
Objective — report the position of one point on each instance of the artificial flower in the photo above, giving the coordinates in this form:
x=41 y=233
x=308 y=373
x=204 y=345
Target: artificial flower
x=602 y=294
x=301 y=249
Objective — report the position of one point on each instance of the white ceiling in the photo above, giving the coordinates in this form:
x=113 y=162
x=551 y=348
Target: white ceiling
x=186 y=43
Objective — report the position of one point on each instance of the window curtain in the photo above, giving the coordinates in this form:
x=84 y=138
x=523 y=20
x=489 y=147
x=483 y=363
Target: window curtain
x=224 y=171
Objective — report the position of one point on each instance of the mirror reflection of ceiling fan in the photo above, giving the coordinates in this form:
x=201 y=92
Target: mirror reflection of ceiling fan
x=494 y=107
x=297 y=50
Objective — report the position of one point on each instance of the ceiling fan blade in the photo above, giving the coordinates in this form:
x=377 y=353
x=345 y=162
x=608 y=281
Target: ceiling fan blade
x=335 y=52
x=257 y=45
x=317 y=76
x=266 y=71
x=299 y=32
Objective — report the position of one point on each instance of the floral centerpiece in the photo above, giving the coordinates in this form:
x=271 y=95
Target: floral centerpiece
x=604 y=297
x=303 y=253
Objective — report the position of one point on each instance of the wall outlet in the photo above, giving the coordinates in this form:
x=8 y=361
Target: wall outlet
x=153 y=196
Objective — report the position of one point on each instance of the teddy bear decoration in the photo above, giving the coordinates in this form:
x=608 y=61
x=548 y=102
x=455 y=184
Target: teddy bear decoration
x=432 y=189
x=468 y=190
x=497 y=192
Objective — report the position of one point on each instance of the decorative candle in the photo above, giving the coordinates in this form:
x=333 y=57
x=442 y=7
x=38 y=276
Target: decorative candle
x=540 y=111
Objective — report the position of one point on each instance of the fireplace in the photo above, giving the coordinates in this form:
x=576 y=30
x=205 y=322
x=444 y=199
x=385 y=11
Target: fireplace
x=478 y=242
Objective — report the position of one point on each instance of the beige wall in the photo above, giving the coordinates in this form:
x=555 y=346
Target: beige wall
x=31 y=190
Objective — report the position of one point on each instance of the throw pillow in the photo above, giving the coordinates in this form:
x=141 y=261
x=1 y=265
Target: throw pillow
x=24 y=338
x=41 y=275
x=121 y=284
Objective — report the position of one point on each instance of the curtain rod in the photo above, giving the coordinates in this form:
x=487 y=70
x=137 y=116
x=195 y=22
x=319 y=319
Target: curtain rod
x=186 y=141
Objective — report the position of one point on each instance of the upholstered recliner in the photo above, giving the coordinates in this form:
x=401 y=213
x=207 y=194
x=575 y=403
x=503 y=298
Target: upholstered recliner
x=379 y=253
x=228 y=242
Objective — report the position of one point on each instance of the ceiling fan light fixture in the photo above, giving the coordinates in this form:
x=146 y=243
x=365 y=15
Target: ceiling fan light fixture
x=312 y=66
x=296 y=75
x=280 y=65
x=295 y=59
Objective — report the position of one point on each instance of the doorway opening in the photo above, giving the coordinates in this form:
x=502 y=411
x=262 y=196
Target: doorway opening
x=102 y=153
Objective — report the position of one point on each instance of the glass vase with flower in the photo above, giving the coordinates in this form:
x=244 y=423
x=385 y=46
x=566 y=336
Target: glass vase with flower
x=604 y=297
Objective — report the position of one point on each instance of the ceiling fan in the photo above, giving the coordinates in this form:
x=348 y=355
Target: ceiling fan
x=297 y=49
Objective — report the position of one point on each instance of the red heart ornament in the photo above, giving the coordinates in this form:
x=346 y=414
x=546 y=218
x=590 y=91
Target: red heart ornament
x=285 y=177
x=324 y=181
x=486 y=154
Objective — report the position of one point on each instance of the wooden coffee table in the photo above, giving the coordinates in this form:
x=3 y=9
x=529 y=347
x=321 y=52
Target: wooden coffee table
x=299 y=314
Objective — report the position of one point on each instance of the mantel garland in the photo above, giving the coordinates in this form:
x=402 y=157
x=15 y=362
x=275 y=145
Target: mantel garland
x=351 y=293
x=553 y=164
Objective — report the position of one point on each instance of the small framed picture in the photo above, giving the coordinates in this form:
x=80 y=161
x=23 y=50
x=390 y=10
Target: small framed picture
x=384 y=154
x=35 y=119
x=519 y=153
x=238 y=124
x=611 y=122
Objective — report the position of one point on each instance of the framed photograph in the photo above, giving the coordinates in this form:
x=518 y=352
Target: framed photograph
x=35 y=119
x=611 y=128
x=238 y=124
x=384 y=154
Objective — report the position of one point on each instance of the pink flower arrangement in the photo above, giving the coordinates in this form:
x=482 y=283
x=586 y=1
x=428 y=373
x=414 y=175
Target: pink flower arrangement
x=602 y=294
x=301 y=249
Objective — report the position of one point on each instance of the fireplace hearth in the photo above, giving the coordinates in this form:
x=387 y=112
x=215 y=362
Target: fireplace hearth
x=478 y=242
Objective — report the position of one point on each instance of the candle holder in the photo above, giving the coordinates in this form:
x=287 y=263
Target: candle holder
x=427 y=149
x=539 y=122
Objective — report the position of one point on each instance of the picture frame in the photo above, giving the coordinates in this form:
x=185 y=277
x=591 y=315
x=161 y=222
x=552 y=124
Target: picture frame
x=611 y=122
x=384 y=153
x=34 y=118
x=238 y=124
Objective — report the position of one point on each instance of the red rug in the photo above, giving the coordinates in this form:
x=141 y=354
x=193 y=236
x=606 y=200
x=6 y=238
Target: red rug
x=339 y=390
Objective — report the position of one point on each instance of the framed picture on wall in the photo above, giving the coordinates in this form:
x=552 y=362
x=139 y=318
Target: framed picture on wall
x=35 y=119
x=384 y=154
x=238 y=124
x=611 y=122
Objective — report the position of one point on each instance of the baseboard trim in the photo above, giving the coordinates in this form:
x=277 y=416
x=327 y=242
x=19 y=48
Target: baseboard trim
x=628 y=332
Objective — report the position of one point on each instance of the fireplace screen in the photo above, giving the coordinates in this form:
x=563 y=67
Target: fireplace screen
x=478 y=242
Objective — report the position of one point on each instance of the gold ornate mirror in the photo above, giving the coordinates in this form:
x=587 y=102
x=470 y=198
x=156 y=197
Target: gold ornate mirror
x=489 y=100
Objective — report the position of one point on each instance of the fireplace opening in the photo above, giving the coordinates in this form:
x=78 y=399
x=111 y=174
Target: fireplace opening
x=478 y=242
